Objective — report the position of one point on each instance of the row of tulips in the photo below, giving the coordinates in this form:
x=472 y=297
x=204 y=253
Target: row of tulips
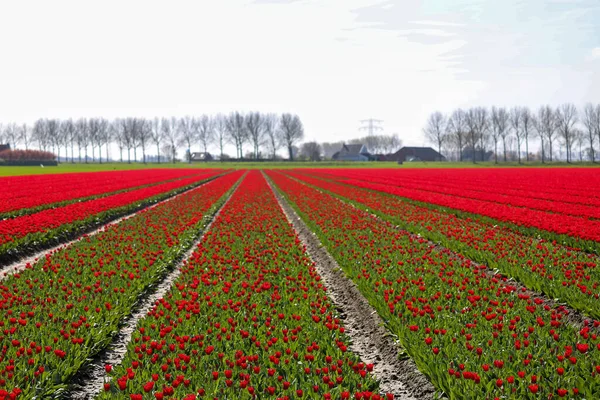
x=60 y=311
x=559 y=220
x=561 y=273
x=585 y=207
x=475 y=336
x=28 y=194
x=248 y=318
x=21 y=234
x=558 y=185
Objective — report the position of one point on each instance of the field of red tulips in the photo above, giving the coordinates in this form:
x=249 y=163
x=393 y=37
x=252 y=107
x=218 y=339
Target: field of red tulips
x=486 y=280
x=548 y=267
x=248 y=318
x=475 y=335
x=28 y=194
x=65 y=308
x=32 y=231
x=563 y=201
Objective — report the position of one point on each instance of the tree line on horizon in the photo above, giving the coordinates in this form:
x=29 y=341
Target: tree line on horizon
x=475 y=130
x=260 y=130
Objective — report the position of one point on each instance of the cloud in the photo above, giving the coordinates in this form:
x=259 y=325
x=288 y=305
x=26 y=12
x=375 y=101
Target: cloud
x=595 y=53
x=438 y=23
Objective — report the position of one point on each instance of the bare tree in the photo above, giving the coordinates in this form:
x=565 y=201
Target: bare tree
x=205 y=129
x=67 y=129
x=499 y=127
x=25 y=136
x=95 y=135
x=590 y=123
x=236 y=129
x=527 y=124
x=144 y=129
x=537 y=125
x=516 y=119
x=104 y=137
x=271 y=125
x=11 y=135
x=170 y=134
x=579 y=139
x=255 y=128
x=128 y=136
x=566 y=118
x=291 y=132
x=330 y=148
x=40 y=134
x=471 y=124
x=394 y=142
x=187 y=135
x=372 y=142
x=546 y=127
x=134 y=135
x=82 y=137
x=156 y=135
x=505 y=135
x=435 y=129
x=53 y=134
x=482 y=124
x=457 y=130
x=97 y=128
x=220 y=125
x=311 y=151
x=117 y=132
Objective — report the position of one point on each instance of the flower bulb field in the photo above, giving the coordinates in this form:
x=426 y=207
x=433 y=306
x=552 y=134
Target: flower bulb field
x=338 y=283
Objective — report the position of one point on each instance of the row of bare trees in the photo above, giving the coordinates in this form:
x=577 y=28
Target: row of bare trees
x=475 y=130
x=262 y=131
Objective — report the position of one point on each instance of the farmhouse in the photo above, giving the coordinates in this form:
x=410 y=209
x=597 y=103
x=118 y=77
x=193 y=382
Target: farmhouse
x=416 y=154
x=202 y=157
x=352 y=152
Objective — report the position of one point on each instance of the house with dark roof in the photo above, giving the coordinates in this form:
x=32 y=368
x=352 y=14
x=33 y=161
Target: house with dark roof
x=416 y=154
x=352 y=152
x=202 y=157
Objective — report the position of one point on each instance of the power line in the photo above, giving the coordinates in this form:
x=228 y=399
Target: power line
x=371 y=125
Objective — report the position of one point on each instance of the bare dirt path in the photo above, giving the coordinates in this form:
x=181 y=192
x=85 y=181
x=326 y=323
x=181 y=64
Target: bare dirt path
x=89 y=381
x=369 y=339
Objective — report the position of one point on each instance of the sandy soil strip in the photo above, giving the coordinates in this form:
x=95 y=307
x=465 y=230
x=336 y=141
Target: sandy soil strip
x=89 y=381
x=21 y=264
x=369 y=338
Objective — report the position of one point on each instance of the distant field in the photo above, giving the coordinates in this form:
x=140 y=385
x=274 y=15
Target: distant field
x=65 y=168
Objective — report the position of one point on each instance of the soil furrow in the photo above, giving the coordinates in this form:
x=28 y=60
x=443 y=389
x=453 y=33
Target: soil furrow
x=90 y=380
x=369 y=338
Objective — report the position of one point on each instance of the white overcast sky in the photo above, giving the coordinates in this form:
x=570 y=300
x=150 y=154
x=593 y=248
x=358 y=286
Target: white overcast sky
x=331 y=62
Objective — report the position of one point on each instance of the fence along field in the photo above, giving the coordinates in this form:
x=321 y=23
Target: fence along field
x=219 y=332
